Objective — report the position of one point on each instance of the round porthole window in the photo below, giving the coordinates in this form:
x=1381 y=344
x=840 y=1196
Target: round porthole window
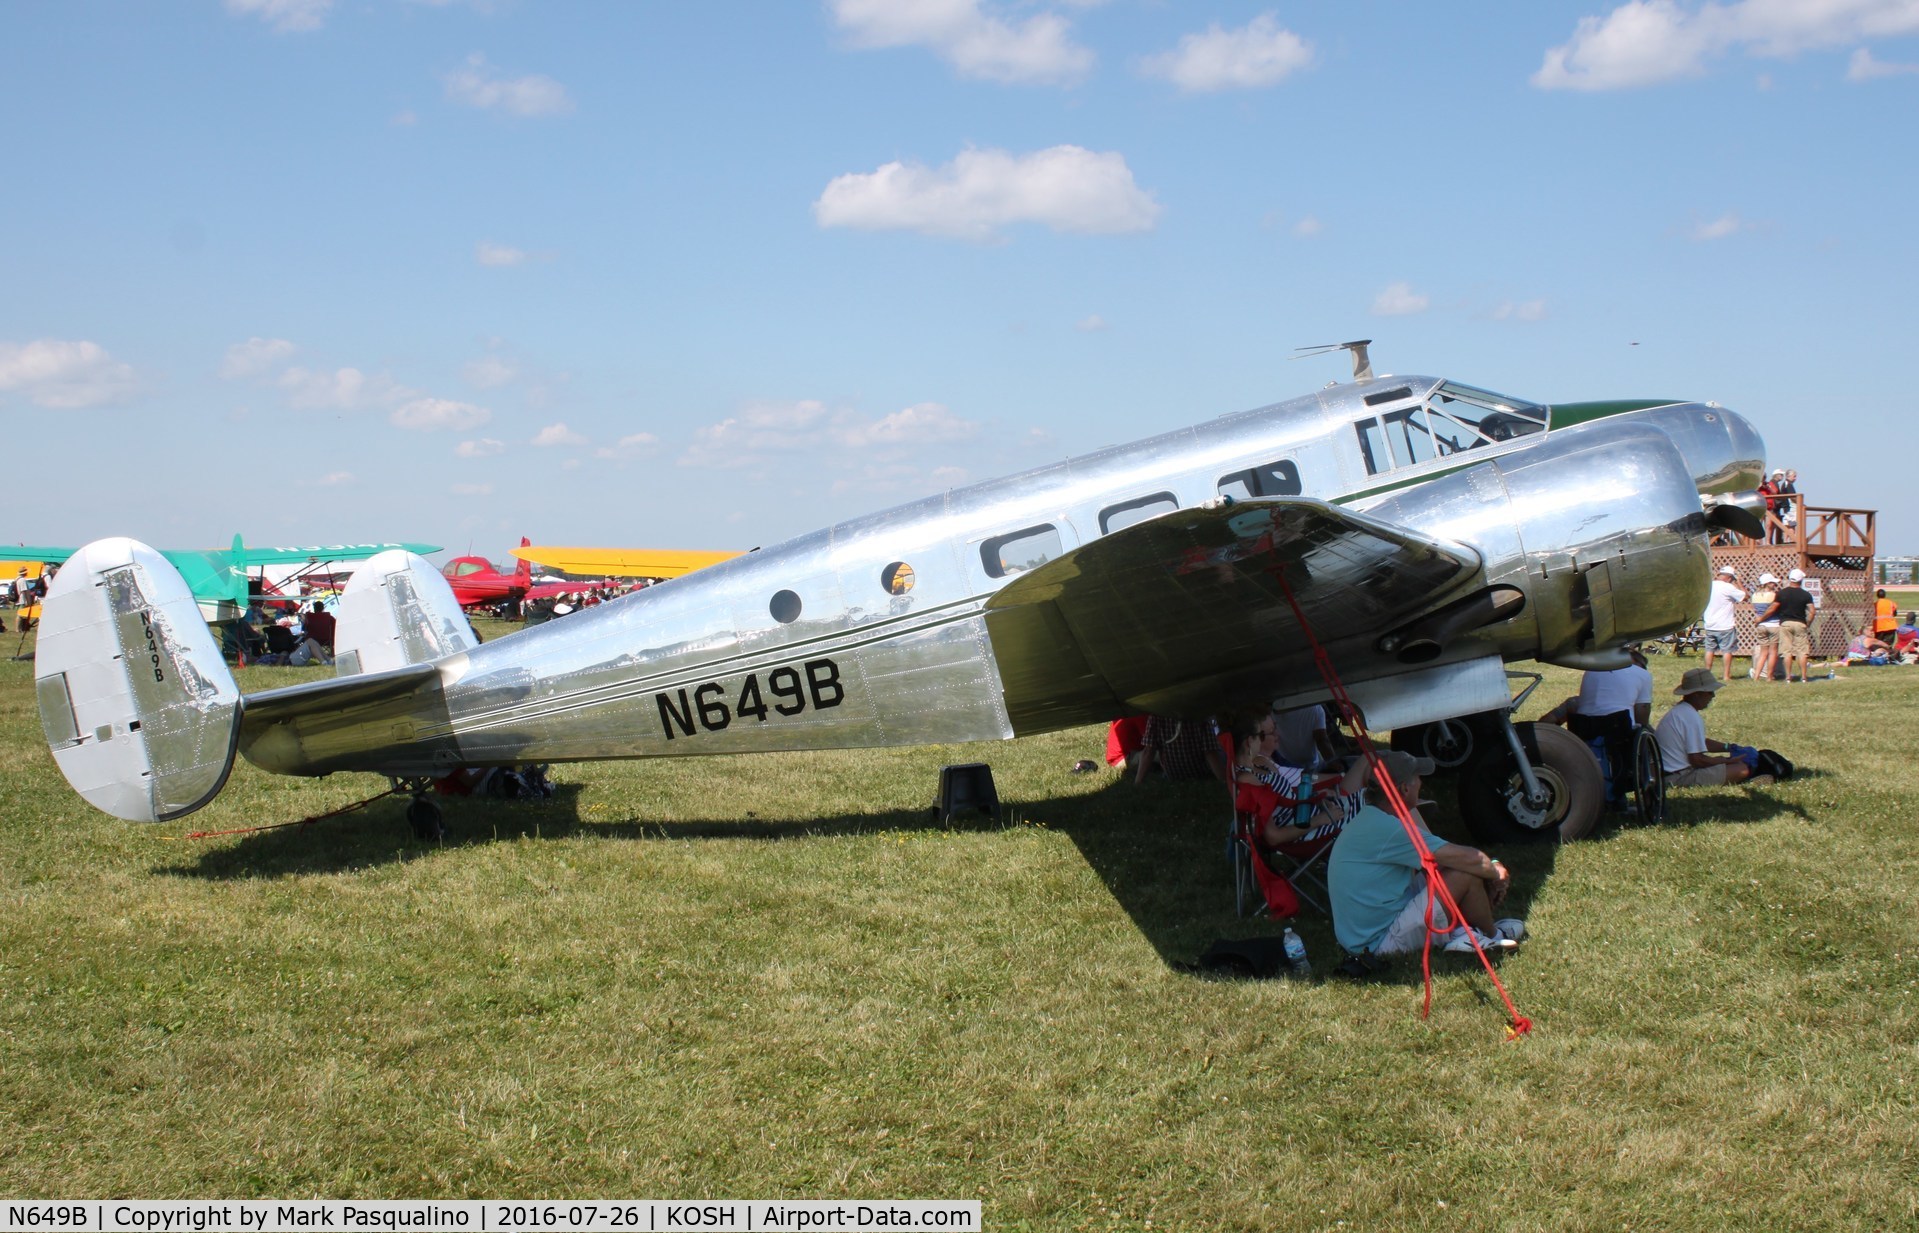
x=785 y=607
x=897 y=578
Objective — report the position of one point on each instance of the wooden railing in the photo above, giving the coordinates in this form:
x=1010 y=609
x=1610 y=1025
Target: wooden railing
x=1813 y=530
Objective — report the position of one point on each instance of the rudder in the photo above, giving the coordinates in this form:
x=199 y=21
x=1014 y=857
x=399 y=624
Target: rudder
x=136 y=702
x=397 y=610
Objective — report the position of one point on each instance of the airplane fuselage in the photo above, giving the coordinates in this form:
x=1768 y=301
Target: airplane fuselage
x=883 y=631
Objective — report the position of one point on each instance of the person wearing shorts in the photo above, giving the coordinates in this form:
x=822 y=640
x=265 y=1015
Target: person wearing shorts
x=1793 y=605
x=1722 y=617
x=1377 y=883
x=1765 y=656
x=1691 y=759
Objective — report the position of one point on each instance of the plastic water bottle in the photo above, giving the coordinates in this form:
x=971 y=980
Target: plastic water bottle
x=1296 y=954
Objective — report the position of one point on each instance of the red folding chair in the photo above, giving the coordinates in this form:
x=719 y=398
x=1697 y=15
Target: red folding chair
x=1280 y=876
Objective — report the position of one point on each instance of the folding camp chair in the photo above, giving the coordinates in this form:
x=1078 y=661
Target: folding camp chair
x=1276 y=880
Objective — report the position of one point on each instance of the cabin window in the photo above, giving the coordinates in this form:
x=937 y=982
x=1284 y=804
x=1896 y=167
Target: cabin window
x=897 y=578
x=1126 y=513
x=1006 y=555
x=785 y=607
x=1270 y=479
x=462 y=568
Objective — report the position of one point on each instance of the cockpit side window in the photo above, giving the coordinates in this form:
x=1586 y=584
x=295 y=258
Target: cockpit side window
x=1006 y=555
x=1126 y=513
x=1268 y=479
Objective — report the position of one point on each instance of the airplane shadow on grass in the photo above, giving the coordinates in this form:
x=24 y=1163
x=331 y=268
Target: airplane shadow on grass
x=1160 y=849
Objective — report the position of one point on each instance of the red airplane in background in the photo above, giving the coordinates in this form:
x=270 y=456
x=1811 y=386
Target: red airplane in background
x=475 y=581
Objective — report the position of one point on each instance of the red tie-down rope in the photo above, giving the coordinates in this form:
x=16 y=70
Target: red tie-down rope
x=1518 y=1025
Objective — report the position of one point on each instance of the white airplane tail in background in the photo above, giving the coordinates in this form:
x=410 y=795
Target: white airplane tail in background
x=136 y=700
x=397 y=610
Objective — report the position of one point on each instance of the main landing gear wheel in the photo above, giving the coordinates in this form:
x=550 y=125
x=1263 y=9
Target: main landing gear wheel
x=1492 y=795
x=1449 y=742
x=1648 y=777
x=423 y=814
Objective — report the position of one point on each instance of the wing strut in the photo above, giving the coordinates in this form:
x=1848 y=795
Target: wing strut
x=1518 y=1024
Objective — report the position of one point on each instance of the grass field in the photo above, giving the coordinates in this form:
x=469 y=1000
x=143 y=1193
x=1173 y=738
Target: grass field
x=774 y=976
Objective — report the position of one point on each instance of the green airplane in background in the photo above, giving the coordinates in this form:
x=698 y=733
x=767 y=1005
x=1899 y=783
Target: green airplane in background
x=220 y=578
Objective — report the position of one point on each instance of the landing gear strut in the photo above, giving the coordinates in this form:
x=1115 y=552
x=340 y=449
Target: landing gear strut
x=1540 y=783
x=422 y=812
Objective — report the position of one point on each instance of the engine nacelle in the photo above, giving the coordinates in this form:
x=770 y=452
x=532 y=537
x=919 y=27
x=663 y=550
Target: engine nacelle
x=1600 y=528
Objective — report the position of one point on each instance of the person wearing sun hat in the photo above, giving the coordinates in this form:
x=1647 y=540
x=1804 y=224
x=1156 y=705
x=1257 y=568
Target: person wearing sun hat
x=1722 y=617
x=1691 y=758
x=1793 y=607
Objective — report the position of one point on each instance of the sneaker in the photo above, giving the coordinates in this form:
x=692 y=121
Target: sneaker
x=1759 y=781
x=1511 y=928
x=1462 y=943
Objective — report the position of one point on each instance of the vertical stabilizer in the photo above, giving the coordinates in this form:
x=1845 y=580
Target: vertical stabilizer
x=397 y=610
x=523 y=576
x=137 y=703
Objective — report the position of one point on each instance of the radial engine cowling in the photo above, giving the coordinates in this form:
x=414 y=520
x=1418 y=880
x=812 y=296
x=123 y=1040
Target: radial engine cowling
x=1600 y=527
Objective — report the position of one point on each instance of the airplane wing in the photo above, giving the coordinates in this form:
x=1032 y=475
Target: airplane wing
x=250 y=557
x=1171 y=614
x=27 y=555
x=623 y=562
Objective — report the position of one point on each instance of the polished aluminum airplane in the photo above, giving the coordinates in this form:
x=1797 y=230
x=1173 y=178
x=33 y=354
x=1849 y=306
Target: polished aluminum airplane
x=1430 y=531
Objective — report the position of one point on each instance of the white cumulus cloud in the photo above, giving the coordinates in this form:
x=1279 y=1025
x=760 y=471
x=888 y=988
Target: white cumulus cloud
x=479 y=84
x=484 y=447
x=252 y=358
x=1065 y=187
x=1522 y=310
x=430 y=414
x=1728 y=224
x=285 y=16
x=1399 y=300
x=1862 y=67
x=498 y=254
x=343 y=389
x=925 y=423
x=489 y=372
x=558 y=434
x=633 y=445
x=64 y=375
x=1261 y=53
x=1039 y=50
x=1646 y=42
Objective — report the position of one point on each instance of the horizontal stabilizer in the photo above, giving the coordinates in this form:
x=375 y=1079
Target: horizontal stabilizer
x=398 y=610
x=136 y=701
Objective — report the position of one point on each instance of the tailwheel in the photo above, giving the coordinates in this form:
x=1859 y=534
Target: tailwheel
x=423 y=814
x=1492 y=794
x=1648 y=777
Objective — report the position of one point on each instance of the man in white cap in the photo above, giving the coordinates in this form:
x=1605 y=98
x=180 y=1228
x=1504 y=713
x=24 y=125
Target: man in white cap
x=1377 y=884
x=1793 y=606
x=1722 y=618
x=1691 y=758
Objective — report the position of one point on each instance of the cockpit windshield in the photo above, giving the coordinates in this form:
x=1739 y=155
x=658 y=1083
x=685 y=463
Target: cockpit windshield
x=1450 y=420
x=1494 y=416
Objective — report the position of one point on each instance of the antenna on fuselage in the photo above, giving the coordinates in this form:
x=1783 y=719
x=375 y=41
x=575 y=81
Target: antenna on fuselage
x=1362 y=363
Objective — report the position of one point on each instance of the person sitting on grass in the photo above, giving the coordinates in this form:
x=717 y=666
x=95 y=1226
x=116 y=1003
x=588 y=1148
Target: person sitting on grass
x=1691 y=759
x=1378 y=885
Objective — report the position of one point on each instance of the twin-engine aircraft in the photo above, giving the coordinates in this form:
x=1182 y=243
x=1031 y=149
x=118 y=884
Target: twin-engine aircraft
x=1430 y=532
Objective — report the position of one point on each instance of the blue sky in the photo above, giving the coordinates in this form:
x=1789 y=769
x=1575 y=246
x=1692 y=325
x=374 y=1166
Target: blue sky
x=708 y=275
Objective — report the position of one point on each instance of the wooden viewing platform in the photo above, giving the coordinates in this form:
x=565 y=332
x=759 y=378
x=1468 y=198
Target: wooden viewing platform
x=1833 y=546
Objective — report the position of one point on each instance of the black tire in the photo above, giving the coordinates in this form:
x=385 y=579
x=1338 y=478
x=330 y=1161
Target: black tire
x=1492 y=797
x=423 y=814
x=1449 y=742
x=1648 y=777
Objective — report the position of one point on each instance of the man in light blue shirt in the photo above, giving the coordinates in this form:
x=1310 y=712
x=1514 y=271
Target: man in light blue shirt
x=1378 y=886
